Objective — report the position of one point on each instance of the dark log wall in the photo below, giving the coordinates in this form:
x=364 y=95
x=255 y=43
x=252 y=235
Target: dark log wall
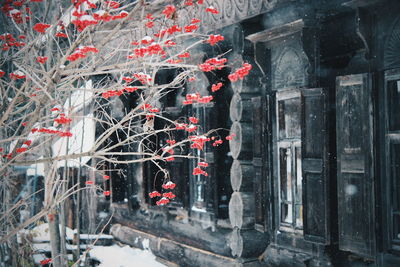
x=304 y=47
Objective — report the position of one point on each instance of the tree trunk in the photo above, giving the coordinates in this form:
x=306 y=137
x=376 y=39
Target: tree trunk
x=55 y=239
x=63 y=241
x=77 y=217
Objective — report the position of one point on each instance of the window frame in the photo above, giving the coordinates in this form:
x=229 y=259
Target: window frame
x=201 y=112
x=292 y=143
x=391 y=137
x=152 y=179
x=262 y=162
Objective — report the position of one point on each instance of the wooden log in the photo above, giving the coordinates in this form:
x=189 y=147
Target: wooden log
x=251 y=84
x=247 y=243
x=176 y=230
x=178 y=252
x=240 y=109
x=234 y=38
x=242 y=176
x=236 y=59
x=241 y=210
x=241 y=143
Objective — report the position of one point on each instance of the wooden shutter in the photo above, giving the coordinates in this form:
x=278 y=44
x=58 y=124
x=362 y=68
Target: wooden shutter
x=131 y=187
x=149 y=172
x=209 y=121
x=390 y=128
x=152 y=177
x=314 y=166
x=354 y=164
x=178 y=169
x=261 y=132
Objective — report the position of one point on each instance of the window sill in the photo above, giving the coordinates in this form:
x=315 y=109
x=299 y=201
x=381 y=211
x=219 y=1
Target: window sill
x=287 y=229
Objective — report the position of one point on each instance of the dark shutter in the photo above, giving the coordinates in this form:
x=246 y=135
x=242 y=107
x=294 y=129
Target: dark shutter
x=149 y=173
x=314 y=167
x=260 y=131
x=149 y=170
x=178 y=169
x=208 y=121
x=390 y=151
x=354 y=164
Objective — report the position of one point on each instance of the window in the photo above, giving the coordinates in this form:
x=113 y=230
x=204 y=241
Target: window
x=392 y=138
x=289 y=159
x=298 y=171
x=177 y=169
x=393 y=101
x=395 y=184
x=197 y=194
x=201 y=198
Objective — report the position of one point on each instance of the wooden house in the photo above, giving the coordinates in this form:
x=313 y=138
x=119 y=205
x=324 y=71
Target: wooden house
x=312 y=177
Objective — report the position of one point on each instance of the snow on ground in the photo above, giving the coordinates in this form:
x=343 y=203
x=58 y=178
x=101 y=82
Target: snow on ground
x=41 y=233
x=108 y=256
x=116 y=256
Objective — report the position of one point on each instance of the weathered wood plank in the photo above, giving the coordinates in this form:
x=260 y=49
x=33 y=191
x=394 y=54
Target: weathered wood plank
x=355 y=166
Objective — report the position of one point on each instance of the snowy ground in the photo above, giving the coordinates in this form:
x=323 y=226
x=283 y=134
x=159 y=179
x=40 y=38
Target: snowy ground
x=108 y=256
x=116 y=256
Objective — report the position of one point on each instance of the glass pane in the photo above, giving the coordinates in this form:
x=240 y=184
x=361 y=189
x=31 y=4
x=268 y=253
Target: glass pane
x=286 y=196
x=299 y=180
x=199 y=192
x=299 y=216
x=286 y=213
x=299 y=176
x=285 y=173
x=198 y=181
x=199 y=188
x=396 y=227
x=393 y=100
x=289 y=118
x=395 y=174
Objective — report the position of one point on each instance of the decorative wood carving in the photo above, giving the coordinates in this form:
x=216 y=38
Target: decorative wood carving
x=242 y=7
x=268 y=4
x=294 y=53
x=229 y=10
x=290 y=68
x=255 y=7
x=392 y=47
x=232 y=11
